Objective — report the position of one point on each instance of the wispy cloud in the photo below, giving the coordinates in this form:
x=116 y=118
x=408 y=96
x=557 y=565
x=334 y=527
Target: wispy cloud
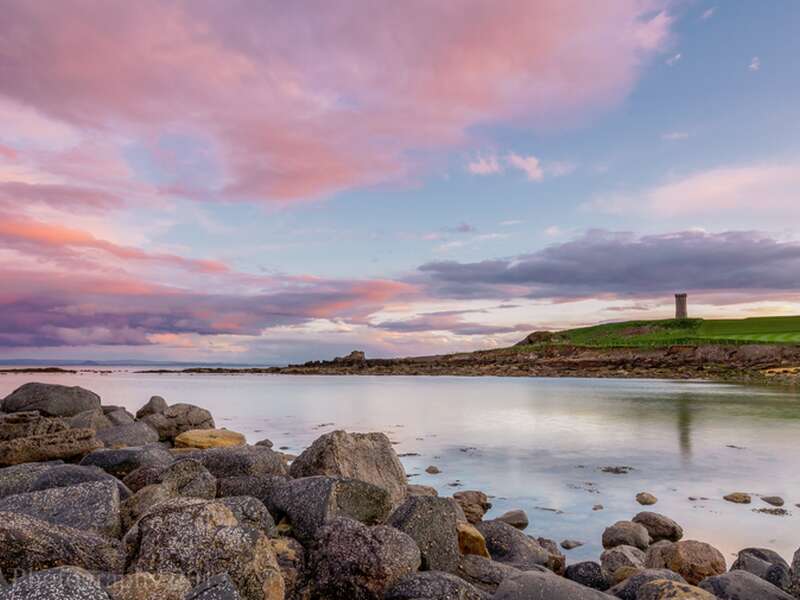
x=755 y=64
x=708 y=13
x=673 y=136
x=673 y=60
x=485 y=165
x=530 y=165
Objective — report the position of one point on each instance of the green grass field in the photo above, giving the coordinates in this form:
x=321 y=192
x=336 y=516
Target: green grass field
x=766 y=330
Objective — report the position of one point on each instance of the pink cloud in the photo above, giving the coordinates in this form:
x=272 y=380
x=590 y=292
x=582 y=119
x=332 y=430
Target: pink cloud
x=65 y=197
x=304 y=99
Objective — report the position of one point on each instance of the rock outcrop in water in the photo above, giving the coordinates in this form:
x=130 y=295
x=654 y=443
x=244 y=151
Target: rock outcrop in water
x=150 y=520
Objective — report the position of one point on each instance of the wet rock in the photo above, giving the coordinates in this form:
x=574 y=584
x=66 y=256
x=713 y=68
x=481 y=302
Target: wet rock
x=766 y=564
x=62 y=583
x=154 y=406
x=421 y=490
x=664 y=589
x=148 y=586
x=516 y=518
x=176 y=419
x=646 y=498
x=209 y=438
x=512 y=547
x=241 y=461
x=626 y=533
x=470 y=540
x=694 y=560
x=290 y=555
x=773 y=500
x=30 y=544
x=350 y=560
x=629 y=589
x=92 y=507
x=433 y=585
x=741 y=585
x=654 y=557
x=588 y=573
x=474 y=504
x=310 y=502
x=534 y=585
x=365 y=456
x=123 y=436
x=67 y=444
x=219 y=587
x=571 y=544
x=659 y=527
x=203 y=538
x=484 y=573
x=431 y=523
x=119 y=462
x=738 y=498
x=618 y=557
x=50 y=400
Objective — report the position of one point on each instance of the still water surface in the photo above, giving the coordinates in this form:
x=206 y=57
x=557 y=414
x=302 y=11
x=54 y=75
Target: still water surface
x=536 y=444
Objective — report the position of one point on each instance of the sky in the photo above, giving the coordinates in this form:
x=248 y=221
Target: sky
x=265 y=182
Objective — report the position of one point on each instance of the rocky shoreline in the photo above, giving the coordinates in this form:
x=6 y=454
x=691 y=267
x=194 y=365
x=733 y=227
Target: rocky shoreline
x=98 y=503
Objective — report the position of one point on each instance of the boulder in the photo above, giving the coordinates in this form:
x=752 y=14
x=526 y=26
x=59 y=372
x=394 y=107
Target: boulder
x=694 y=560
x=646 y=498
x=664 y=589
x=557 y=562
x=262 y=487
x=536 y=585
x=119 y=462
x=629 y=588
x=421 y=490
x=741 y=585
x=202 y=538
x=124 y=436
x=512 y=547
x=19 y=478
x=571 y=544
x=67 y=444
x=470 y=540
x=766 y=564
x=484 y=573
x=795 y=574
x=241 y=461
x=626 y=533
x=365 y=456
x=140 y=503
x=431 y=523
x=209 y=438
x=219 y=587
x=62 y=583
x=51 y=400
x=90 y=419
x=292 y=562
x=176 y=419
x=589 y=574
x=67 y=475
x=30 y=544
x=148 y=586
x=118 y=416
x=265 y=442
x=310 y=502
x=474 y=504
x=516 y=518
x=659 y=527
x=433 y=585
x=92 y=507
x=26 y=424
x=251 y=512
x=654 y=557
x=154 y=406
x=352 y=561
x=143 y=476
x=619 y=557
x=189 y=477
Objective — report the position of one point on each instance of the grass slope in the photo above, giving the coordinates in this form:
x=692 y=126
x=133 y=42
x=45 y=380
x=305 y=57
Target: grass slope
x=770 y=330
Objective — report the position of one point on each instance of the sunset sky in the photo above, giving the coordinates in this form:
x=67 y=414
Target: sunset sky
x=266 y=181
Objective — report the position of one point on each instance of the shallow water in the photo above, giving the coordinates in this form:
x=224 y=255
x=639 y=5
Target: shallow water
x=536 y=444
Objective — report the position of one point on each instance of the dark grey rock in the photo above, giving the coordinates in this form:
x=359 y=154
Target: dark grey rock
x=90 y=419
x=431 y=523
x=659 y=527
x=795 y=574
x=240 y=461
x=219 y=587
x=352 y=561
x=62 y=583
x=510 y=546
x=155 y=405
x=92 y=507
x=516 y=518
x=19 y=478
x=589 y=574
x=433 y=585
x=140 y=503
x=626 y=533
x=176 y=419
x=655 y=557
x=252 y=512
x=620 y=556
x=262 y=487
x=534 y=585
x=143 y=476
x=365 y=456
x=422 y=490
x=66 y=475
x=67 y=444
x=119 y=462
x=310 y=502
x=30 y=544
x=189 y=478
x=741 y=585
x=629 y=588
x=119 y=416
x=50 y=400
x=483 y=573
x=123 y=436
x=264 y=442
x=557 y=562
x=766 y=564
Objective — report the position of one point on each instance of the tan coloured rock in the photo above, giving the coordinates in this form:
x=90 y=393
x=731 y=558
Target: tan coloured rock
x=209 y=438
x=145 y=586
x=471 y=541
x=694 y=560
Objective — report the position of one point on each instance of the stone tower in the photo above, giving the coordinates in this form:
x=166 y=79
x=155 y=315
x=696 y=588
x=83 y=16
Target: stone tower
x=681 y=310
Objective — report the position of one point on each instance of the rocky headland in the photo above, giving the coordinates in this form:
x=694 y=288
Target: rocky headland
x=98 y=503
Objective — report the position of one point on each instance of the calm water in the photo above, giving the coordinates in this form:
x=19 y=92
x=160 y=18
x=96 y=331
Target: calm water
x=537 y=444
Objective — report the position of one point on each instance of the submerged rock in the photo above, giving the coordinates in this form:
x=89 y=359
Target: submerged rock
x=738 y=498
x=50 y=400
